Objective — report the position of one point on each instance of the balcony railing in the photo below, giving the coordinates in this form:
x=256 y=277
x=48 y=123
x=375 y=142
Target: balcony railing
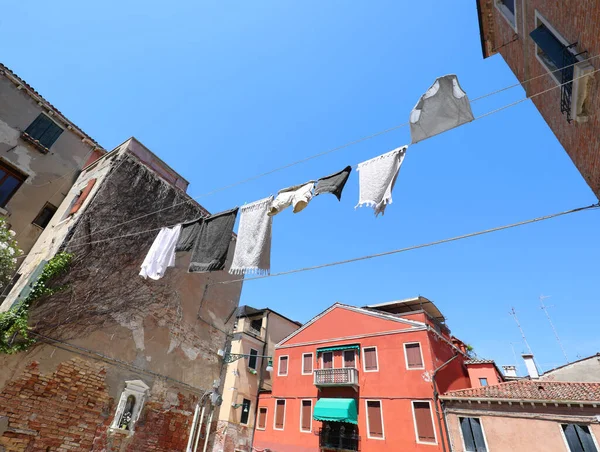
x=347 y=376
x=338 y=440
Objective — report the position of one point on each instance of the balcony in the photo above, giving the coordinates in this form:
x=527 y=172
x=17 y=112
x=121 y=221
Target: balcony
x=338 y=440
x=347 y=376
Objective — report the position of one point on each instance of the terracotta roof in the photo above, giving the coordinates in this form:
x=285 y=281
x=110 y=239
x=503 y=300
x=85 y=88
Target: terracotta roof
x=531 y=390
x=480 y=361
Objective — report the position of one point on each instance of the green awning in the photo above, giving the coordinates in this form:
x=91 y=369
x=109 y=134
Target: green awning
x=339 y=347
x=337 y=410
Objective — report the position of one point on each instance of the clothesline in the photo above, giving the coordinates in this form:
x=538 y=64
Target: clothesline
x=351 y=143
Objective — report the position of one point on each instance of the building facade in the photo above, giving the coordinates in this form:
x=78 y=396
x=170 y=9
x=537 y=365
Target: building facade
x=42 y=153
x=256 y=332
x=553 y=46
x=121 y=363
x=362 y=379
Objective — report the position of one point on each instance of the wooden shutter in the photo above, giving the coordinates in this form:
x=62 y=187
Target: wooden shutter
x=279 y=413
x=349 y=358
x=370 y=358
x=82 y=197
x=413 y=356
x=374 y=415
x=262 y=418
x=472 y=434
x=306 y=415
x=283 y=365
x=307 y=363
x=328 y=360
x=424 y=423
x=38 y=127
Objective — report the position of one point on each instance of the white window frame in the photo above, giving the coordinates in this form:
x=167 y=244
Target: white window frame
x=412 y=405
x=312 y=360
x=540 y=19
x=344 y=359
x=332 y=360
x=287 y=371
x=406 y=356
x=275 y=415
x=257 y=366
x=367 y=416
x=462 y=438
x=139 y=390
x=562 y=433
x=376 y=358
x=311 y=412
x=505 y=12
x=266 y=418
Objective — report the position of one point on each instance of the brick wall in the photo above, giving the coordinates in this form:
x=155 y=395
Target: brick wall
x=576 y=21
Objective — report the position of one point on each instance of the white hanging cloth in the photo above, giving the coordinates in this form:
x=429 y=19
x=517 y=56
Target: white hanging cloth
x=253 y=247
x=376 y=179
x=444 y=106
x=161 y=254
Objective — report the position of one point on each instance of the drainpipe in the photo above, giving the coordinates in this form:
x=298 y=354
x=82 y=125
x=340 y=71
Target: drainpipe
x=199 y=428
x=208 y=427
x=436 y=402
x=261 y=379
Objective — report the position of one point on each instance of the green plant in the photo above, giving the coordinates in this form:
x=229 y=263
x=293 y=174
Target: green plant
x=14 y=322
x=9 y=251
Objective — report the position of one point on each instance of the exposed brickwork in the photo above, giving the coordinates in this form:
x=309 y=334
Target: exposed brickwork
x=230 y=437
x=576 y=21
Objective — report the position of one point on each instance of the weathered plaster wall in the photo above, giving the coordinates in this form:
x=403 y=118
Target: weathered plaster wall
x=586 y=370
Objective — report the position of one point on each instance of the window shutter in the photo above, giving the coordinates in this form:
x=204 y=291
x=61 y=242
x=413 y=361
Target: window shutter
x=370 y=358
x=306 y=415
x=553 y=48
x=50 y=135
x=252 y=359
x=374 y=414
x=262 y=418
x=349 y=358
x=467 y=433
x=38 y=127
x=477 y=435
x=307 y=363
x=283 y=365
x=328 y=360
x=413 y=356
x=279 y=413
x=423 y=421
x=82 y=197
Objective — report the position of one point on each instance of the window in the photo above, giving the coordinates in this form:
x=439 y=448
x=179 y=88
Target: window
x=349 y=358
x=483 y=381
x=374 y=419
x=245 y=412
x=423 y=418
x=43 y=131
x=253 y=358
x=256 y=325
x=279 y=420
x=10 y=181
x=262 y=418
x=45 y=215
x=283 y=366
x=472 y=434
x=80 y=199
x=508 y=11
x=414 y=358
x=579 y=438
x=130 y=405
x=306 y=416
x=307 y=363
x=370 y=359
x=327 y=360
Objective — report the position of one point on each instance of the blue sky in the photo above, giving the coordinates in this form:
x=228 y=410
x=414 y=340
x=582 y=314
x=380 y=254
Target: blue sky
x=226 y=90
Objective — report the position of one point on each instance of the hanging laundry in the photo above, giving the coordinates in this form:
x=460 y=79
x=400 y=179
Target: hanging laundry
x=334 y=183
x=376 y=178
x=161 y=254
x=444 y=106
x=209 y=251
x=299 y=196
x=253 y=247
x=189 y=234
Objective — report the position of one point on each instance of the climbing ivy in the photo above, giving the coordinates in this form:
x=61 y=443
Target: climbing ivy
x=13 y=322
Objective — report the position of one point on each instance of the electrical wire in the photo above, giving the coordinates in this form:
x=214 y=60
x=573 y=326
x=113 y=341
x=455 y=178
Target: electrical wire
x=414 y=247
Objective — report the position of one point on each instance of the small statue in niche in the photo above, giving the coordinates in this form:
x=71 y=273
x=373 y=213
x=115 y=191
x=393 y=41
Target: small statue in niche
x=125 y=421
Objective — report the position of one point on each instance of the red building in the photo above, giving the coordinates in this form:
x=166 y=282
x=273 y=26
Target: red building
x=363 y=379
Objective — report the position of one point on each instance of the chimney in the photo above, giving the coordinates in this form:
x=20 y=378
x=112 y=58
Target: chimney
x=531 y=367
x=510 y=371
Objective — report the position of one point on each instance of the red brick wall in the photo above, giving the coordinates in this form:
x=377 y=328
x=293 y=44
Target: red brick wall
x=576 y=21
x=70 y=409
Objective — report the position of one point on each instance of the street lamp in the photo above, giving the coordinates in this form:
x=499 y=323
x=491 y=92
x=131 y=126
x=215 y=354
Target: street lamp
x=232 y=357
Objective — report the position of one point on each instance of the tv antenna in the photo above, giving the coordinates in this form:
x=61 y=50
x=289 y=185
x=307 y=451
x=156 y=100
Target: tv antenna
x=514 y=314
x=545 y=309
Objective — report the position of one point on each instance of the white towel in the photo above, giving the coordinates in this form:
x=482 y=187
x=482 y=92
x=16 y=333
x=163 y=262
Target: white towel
x=161 y=254
x=376 y=178
x=253 y=247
